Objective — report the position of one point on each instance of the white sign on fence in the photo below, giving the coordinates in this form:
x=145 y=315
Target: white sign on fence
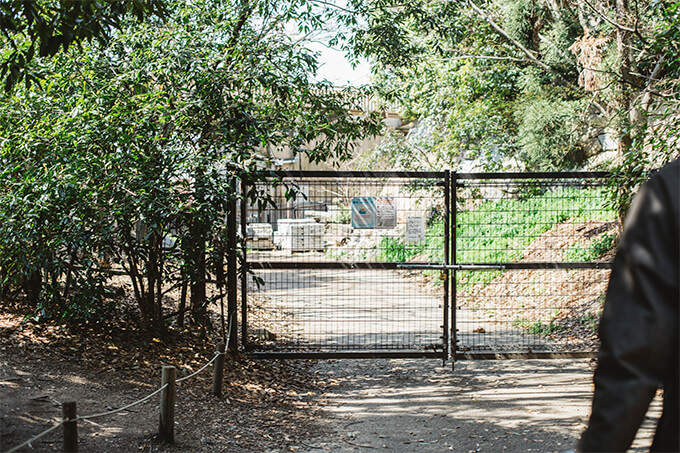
x=415 y=229
x=385 y=213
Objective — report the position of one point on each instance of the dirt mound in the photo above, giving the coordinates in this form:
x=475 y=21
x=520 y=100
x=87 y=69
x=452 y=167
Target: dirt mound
x=563 y=304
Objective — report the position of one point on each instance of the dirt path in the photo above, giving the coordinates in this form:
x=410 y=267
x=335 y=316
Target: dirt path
x=482 y=406
x=346 y=309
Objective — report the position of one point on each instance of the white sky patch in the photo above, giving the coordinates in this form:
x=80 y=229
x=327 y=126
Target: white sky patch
x=334 y=67
x=333 y=64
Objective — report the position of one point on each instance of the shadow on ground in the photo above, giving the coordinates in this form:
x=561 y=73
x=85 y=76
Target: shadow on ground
x=482 y=406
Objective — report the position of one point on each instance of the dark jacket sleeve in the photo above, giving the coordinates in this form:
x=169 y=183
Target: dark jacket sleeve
x=639 y=327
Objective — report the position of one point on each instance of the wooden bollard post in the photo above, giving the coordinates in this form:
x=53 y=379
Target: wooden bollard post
x=166 y=429
x=70 y=427
x=218 y=371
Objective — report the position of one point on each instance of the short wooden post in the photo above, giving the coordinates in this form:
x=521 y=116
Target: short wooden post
x=70 y=427
x=166 y=429
x=218 y=371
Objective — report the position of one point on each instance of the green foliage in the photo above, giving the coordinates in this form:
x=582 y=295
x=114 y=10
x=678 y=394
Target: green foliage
x=593 y=251
x=591 y=320
x=655 y=138
x=43 y=28
x=137 y=139
x=465 y=65
x=537 y=327
x=549 y=128
x=520 y=18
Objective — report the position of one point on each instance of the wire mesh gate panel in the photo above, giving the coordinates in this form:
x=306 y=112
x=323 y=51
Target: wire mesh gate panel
x=531 y=263
x=324 y=264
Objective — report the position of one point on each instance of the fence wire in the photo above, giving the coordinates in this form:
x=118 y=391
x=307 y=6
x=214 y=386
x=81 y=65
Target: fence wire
x=343 y=310
x=342 y=262
x=324 y=256
x=555 y=237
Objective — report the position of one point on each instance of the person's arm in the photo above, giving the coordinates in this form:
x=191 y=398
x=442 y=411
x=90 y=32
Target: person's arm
x=639 y=327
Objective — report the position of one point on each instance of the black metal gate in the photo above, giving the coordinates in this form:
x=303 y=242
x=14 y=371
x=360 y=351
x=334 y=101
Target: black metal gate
x=324 y=277
x=531 y=263
x=378 y=264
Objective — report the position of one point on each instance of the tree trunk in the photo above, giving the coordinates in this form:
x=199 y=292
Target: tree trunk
x=197 y=272
x=33 y=285
x=624 y=97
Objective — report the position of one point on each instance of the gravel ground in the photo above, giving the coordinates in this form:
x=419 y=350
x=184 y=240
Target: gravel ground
x=482 y=406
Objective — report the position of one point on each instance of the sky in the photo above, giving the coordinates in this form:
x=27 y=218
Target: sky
x=335 y=68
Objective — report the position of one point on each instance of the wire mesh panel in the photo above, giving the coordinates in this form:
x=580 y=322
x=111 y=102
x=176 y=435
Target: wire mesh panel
x=344 y=310
x=323 y=257
x=529 y=311
x=542 y=245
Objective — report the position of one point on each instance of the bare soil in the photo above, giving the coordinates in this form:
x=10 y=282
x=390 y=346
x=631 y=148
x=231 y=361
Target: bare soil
x=274 y=406
x=481 y=406
x=265 y=405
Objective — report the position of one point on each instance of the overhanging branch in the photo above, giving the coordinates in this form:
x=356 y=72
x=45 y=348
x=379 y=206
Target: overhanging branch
x=505 y=35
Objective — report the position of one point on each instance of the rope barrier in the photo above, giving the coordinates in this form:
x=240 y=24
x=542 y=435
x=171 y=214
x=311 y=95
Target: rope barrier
x=217 y=354
x=102 y=414
x=34 y=438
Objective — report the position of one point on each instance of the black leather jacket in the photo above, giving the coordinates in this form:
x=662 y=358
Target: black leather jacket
x=640 y=323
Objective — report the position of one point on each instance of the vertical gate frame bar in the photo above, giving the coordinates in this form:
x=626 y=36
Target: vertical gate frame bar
x=244 y=263
x=447 y=280
x=232 y=264
x=453 y=181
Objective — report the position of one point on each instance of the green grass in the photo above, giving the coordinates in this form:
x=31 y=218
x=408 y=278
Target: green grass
x=593 y=251
x=498 y=231
x=537 y=327
x=396 y=250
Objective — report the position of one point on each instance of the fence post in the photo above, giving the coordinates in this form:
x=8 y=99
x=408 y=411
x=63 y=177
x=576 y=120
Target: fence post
x=232 y=263
x=70 y=427
x=453 y=259
x=218 y=372
x=244 y=257
x=166 y=430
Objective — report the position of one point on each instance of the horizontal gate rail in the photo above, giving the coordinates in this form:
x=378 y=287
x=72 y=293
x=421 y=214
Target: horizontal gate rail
x=348 y=355
x=330 y=265
x=535 y=175
x=502 y=266
x=348 y=174
x=523 y=355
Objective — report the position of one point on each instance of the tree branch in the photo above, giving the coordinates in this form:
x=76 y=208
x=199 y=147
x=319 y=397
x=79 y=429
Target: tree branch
x=611 y=22
x=332 y=5
x=645 y=95
x=481 y=57
x=505 y=35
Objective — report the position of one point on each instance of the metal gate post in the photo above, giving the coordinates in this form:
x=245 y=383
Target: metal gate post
x=232 y=263
x=454 y=305
x=446 y=273
x=244 y=262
